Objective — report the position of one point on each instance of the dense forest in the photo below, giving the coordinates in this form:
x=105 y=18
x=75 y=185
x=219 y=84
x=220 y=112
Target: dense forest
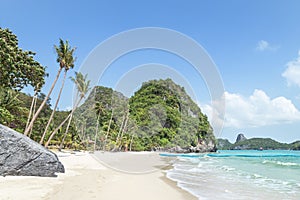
x=167 y=116
x=17 y=106
x=160 y=115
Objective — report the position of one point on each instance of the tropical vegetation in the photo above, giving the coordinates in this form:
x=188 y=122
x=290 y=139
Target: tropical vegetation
x=160 y=115
x=18 y=70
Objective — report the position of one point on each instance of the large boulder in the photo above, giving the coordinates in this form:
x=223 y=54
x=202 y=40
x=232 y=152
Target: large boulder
x=21 y=156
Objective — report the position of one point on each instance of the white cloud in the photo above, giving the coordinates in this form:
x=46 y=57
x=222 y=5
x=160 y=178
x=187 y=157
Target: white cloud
x=263 y=45
x=215 y=115
x=255 y=111
x=292 y=72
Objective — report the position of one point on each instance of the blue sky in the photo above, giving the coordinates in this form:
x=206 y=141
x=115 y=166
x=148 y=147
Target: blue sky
x=253 y=43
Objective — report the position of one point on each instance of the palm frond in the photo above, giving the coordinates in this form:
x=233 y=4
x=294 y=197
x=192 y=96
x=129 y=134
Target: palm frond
x=65 y=54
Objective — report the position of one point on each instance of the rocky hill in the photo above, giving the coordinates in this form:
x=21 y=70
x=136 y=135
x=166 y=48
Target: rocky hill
x=258 y=143
x=105 y=107
x=223 y=144
x=167 y=117
x=159 y=116
x=240 y=138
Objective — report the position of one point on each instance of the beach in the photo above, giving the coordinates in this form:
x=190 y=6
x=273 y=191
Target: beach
x=99 y=176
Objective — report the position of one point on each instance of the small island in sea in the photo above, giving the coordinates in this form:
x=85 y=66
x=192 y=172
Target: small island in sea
x=242 y=143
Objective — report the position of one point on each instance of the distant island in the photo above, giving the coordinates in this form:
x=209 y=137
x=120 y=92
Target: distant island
x=242 y=143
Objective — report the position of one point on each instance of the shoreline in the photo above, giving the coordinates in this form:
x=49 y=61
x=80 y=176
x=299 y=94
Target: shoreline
x=87 y=178
x=173 y=184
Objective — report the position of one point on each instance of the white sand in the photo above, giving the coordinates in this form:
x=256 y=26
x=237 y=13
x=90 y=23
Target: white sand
x=86 y=178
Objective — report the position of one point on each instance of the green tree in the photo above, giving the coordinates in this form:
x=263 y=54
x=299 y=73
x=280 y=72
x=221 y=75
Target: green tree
x=66 y=60
x=99 y=110
x=166 y=116
x=8 y=102
x=121 y=131
x=108 y=129
x=110 y=121
x=82 y=86
x=32 y=109
x=18 y=68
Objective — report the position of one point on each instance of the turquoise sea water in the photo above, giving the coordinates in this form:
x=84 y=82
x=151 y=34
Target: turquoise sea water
x=239 y=174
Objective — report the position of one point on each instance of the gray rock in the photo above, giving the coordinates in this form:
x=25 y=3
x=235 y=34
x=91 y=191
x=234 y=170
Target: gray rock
x=204 y=146
x=21 y=156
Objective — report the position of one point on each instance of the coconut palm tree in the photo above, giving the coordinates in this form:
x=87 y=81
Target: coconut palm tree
x=131 y=140
x=99 y=110
x=119 y=144
x=66 y=60
x=37 y=89
x=108 y=129
x=120 y=132
x=31 y=109
x=54 y=109
x=83 y=86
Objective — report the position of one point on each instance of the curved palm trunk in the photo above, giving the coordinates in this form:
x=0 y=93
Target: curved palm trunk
x=108 y=129
x=42 y=104
x=34 y=108
x=67 y=129
x=96 y=135
x=131 y=142
x=84 y=134
x=81 y=134
x=65 y=134
x=123 y=130
x=56 y=130
x=119 y=133
x=62 y=123
x=54 y=109
x=31 y=109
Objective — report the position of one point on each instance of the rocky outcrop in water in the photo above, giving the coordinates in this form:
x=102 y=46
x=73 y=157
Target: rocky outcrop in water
x=21 y=156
